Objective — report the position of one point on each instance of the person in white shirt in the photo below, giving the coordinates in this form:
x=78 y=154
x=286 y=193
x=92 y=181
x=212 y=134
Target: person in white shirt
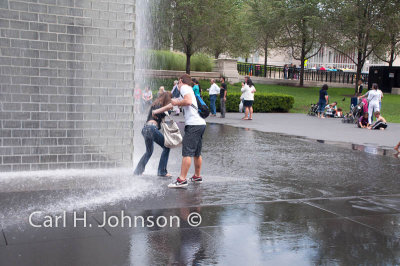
x=380 y=99
x=195 y=126
x=147 y=98
x=373 y=97
x=248 y=91
x=176 y=94
x=214 y=90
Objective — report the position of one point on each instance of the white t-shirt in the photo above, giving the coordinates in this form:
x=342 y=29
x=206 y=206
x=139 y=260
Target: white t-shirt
x=192 y=117
x=374 y=96
x=248 y=94
x=381 y=95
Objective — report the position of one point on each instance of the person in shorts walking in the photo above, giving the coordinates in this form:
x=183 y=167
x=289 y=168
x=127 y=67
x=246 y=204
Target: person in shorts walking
x=195 y=126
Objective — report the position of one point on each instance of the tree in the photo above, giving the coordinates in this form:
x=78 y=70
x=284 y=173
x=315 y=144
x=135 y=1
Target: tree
x=358 y=28
x=302 y=30
x=265 y=22
x=390 y=47
x=191 y=26
x=228 y=28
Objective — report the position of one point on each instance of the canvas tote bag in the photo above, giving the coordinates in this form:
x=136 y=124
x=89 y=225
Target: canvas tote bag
x=172 y=135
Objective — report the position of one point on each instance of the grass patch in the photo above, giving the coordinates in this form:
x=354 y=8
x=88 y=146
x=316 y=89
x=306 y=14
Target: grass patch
x=303 y=97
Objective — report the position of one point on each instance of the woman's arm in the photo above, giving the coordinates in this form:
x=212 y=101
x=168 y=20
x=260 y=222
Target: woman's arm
x=327 y=98
x=363 y=96
x=162 y=109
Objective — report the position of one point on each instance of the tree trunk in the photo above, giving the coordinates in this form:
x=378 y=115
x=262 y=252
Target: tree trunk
x=188 y=56
x=302 y=60
x=266 y=58
x=302 y=73
x=360 y=65
x=188 y=52
x=216 y=54
x=392 y=51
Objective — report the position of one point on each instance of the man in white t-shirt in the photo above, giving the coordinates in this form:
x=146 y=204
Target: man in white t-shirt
x=214 y=90
x=195 y=126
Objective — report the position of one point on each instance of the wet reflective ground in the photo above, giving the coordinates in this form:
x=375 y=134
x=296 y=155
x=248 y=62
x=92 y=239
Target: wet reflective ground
x=266 y=200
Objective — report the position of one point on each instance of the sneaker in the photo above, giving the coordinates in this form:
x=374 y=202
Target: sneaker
x=197 y=179
x=178 y=184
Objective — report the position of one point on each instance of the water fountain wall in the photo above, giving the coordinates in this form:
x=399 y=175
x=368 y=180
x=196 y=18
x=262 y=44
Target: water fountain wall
x=66 y=84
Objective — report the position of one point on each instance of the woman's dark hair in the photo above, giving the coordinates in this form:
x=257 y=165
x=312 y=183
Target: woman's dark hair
x=325 y=87
x=375 y=86
x=163 y=99
x=196 y=82
x=250 y=82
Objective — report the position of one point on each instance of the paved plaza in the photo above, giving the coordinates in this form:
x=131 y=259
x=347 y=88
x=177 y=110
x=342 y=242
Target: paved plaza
x=328 y=129
x=267 y=199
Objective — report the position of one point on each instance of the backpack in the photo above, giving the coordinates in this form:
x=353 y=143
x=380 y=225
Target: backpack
x=202 y=108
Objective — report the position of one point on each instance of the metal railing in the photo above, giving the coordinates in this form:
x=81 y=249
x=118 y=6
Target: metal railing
x=291 y=73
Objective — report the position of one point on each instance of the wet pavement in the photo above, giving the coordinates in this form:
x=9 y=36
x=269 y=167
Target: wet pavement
x=267 y=199
x=311 y=127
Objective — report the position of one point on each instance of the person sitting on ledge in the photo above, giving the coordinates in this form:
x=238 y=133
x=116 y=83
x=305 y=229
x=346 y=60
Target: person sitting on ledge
x=380 y=122
x=363 y=121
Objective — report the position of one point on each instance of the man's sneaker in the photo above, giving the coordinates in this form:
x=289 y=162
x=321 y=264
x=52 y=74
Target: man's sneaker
x=178 y=184
x=197 y=179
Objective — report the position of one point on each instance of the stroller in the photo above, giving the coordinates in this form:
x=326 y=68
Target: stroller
x=355 y=113
x=313 y=111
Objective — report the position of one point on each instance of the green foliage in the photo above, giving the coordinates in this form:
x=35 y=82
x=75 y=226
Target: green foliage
x=167 y=60
x=263 y=102
x=202 y=62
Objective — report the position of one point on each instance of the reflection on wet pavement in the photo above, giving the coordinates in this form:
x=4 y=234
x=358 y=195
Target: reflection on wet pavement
x=266 y=200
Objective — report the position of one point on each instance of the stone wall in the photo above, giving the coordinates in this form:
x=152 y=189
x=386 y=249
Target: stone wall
x=223 y=67
x=66 y=84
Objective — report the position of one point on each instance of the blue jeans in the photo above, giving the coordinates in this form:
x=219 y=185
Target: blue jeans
x=321 y=106
x=151 y=134
x=213 y=99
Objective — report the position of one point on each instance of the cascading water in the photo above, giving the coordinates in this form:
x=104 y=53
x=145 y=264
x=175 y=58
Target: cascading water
x=144 y=41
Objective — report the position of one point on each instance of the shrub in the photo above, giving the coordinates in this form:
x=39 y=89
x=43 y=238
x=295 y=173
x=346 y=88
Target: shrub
x=167 y=60
x=263 y=102
x=201 y=62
